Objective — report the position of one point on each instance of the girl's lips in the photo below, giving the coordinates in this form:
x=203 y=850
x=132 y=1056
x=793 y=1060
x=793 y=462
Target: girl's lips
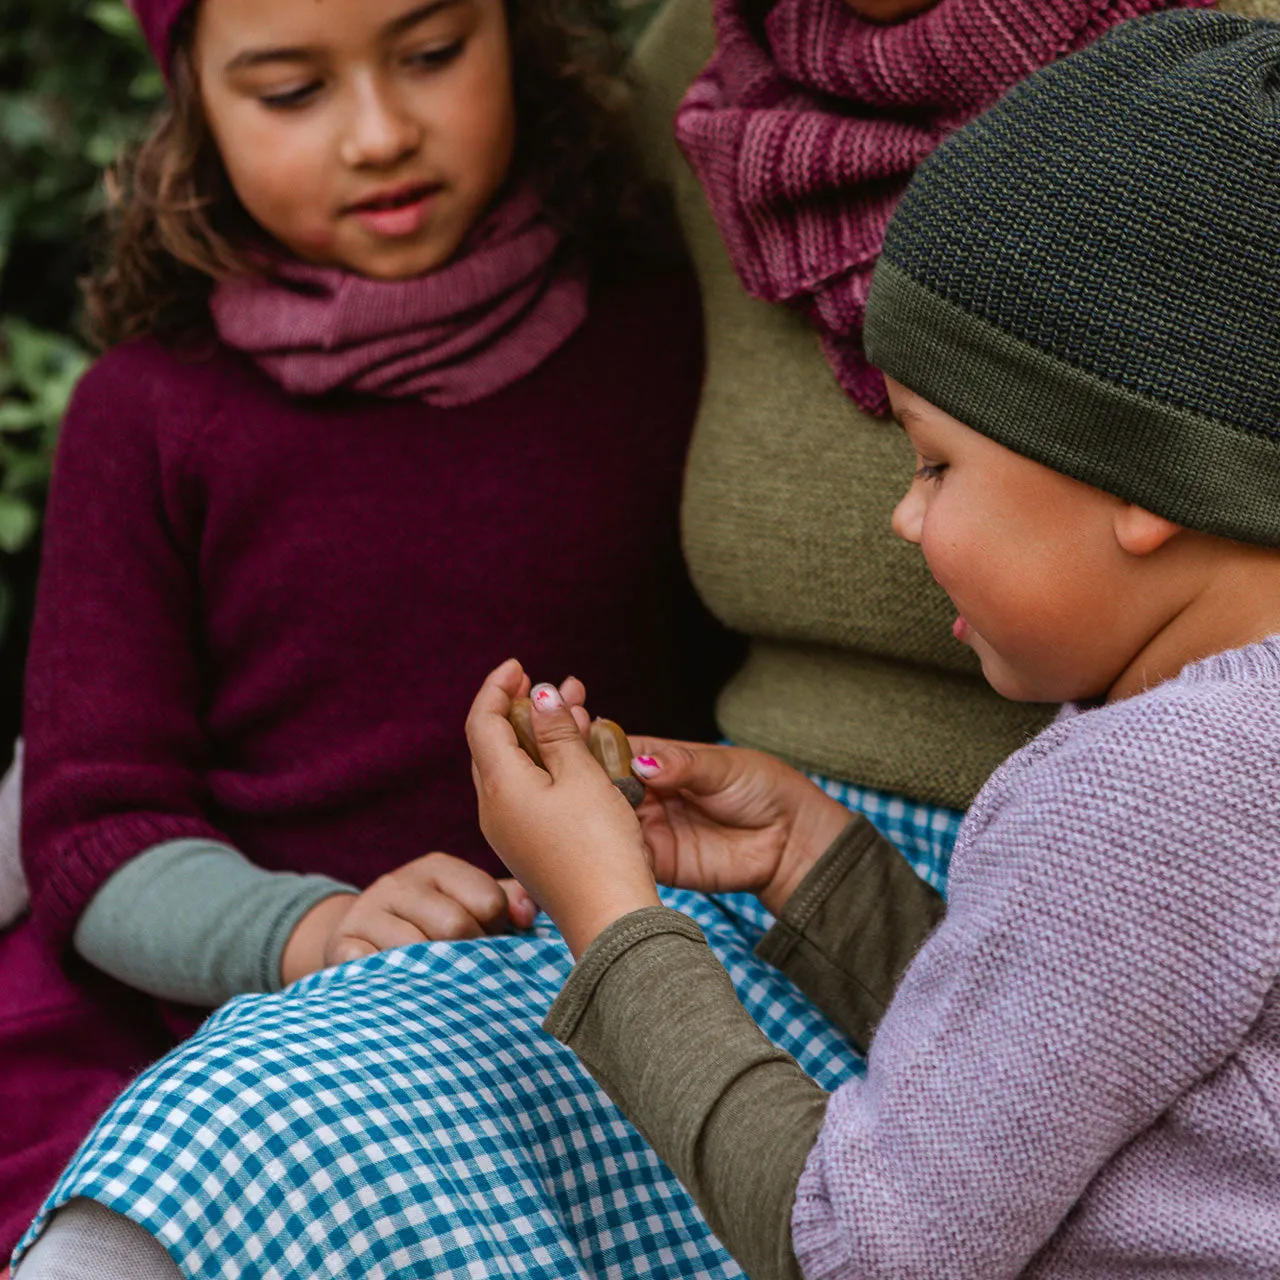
x=398 y=217
x=960 y=629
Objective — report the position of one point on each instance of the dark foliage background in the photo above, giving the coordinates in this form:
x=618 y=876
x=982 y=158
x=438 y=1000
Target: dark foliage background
x=76 y=85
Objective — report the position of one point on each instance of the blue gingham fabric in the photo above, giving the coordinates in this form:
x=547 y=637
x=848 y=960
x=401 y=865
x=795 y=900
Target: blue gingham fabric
x=406 y=1116
x=925 y=833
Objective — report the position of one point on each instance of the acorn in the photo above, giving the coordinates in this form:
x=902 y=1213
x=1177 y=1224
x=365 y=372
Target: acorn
x=611 y=748
x=521 y=717
x=607 y=742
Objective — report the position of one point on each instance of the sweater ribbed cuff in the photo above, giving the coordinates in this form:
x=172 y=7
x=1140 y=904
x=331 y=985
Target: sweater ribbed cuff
x=74 y=873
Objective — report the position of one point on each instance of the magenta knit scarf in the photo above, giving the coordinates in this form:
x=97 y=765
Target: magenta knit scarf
x=450 y=337
x=805 y=144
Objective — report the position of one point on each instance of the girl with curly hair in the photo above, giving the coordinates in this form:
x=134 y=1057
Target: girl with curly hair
x=399 y=379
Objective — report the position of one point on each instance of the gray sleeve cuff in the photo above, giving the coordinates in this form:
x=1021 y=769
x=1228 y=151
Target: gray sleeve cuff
x=654 y=1018
x=196 y=922
x=848 y=933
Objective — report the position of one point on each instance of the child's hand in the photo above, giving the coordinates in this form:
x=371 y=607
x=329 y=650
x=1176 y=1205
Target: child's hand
x=722 y=819
x=437 y=898
x=566 y=832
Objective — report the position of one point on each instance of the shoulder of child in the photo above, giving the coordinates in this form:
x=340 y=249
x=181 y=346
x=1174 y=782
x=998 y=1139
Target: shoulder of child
x=143 y=390
x=1181 y=782
x=1213 y=727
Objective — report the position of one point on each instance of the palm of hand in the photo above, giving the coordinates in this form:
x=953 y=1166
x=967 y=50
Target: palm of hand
x=732 y=840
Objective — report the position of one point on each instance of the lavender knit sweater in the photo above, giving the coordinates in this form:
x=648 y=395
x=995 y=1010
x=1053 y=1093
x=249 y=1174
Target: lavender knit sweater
x=1080 y=1074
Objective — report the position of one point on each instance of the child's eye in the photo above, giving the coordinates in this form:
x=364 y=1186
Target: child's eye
x=292 y=98
x=930 y=471
x=439 y=56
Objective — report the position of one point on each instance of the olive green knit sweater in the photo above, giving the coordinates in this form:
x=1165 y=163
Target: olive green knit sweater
x=852 y=668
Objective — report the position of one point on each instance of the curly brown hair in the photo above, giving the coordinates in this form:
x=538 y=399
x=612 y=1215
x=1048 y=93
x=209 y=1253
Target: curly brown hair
x=175 y=225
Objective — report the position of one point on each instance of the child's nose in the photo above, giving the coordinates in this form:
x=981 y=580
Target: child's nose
x=379 y=131
x=908 y=515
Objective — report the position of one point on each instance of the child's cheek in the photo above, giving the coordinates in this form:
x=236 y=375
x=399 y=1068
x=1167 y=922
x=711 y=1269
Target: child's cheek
x=315 y=241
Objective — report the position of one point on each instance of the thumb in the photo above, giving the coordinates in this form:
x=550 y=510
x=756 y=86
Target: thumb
x=699 y=770
x=556 y=732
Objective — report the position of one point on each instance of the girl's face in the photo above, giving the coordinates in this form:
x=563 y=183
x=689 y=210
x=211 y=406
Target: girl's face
x=1049 y=597
x=365 y=134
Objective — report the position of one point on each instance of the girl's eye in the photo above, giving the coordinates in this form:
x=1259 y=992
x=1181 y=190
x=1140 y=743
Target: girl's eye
x=930 y=471
x=434 y=58
x=292 y=98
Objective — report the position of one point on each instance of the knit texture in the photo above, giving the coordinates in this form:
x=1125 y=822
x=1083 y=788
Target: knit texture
x=157 y=18
x=262 y=620
x=85 y=1239
x=1079 y=1075
x=808 y=123
x=1078 y=276
x=453 y=336
x=852 y=668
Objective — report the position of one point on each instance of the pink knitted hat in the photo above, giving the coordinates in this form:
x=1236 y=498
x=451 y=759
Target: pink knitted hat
x=157 y=19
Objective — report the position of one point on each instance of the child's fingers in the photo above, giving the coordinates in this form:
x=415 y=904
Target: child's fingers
x=367 y=928
x=558 y=734
x=442 y=918
x=700 y=770
x=644 y=745
x=349 y=948
x=476 y=892
x=574 y=692
x=520 y=906
x=489 y=734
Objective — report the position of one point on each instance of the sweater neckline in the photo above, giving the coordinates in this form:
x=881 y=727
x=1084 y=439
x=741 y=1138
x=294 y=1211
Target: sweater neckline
x=1254 y=663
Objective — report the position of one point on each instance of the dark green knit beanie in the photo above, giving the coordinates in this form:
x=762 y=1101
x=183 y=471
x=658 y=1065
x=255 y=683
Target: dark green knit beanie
x=1089 y=273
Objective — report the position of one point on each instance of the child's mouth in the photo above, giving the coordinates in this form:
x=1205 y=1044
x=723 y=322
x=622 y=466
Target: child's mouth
x=960 y=629
x=402 y=212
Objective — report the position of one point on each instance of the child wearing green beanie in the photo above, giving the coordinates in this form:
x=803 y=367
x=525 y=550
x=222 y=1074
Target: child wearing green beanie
x=1079 y=1073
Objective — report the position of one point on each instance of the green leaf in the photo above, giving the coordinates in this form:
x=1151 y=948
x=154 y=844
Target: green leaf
x=101 y=149
x=27 y=475
x=114 y=18
x=18 y=523
x=25 y=122
x=19 y=415
x=147 y=86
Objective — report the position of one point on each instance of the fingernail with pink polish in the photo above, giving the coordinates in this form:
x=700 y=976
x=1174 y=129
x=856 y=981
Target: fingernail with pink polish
x=546 y=697
x=645 y=766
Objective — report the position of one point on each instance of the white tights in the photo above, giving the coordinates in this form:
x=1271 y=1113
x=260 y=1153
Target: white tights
x=84 y=1240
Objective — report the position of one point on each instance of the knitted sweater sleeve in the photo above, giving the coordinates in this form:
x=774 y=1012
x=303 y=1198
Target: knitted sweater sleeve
x=1110 y=938
x=115 y=742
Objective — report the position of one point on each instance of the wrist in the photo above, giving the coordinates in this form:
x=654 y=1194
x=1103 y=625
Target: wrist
x=591 y=914
x=817 y=825
x=304 y=952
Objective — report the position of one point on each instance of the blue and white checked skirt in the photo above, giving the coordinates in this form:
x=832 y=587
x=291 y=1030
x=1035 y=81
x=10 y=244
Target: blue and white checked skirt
x=406 y=1116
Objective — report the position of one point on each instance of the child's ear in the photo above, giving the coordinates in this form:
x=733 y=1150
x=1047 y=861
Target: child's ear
x=1140 y=532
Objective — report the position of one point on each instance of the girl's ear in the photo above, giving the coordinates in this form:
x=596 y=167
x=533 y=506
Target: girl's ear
x=1140 y=532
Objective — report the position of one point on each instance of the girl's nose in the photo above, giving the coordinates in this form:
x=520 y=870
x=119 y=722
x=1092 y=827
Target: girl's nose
x=380 y=132
x=908 y=515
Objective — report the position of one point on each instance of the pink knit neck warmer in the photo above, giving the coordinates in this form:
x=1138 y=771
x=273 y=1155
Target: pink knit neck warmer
x=805 y=144
x=450 y=337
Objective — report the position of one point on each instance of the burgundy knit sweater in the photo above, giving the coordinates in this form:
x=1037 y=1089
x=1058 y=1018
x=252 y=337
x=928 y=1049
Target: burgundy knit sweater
x=262 y=620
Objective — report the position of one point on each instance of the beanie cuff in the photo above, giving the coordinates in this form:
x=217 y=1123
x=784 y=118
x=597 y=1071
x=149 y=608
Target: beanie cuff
x=1197 y=471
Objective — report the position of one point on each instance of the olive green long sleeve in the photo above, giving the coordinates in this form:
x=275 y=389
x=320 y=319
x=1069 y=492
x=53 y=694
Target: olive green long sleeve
x=849 y=931
x=196 y=921
x=653 y=1016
